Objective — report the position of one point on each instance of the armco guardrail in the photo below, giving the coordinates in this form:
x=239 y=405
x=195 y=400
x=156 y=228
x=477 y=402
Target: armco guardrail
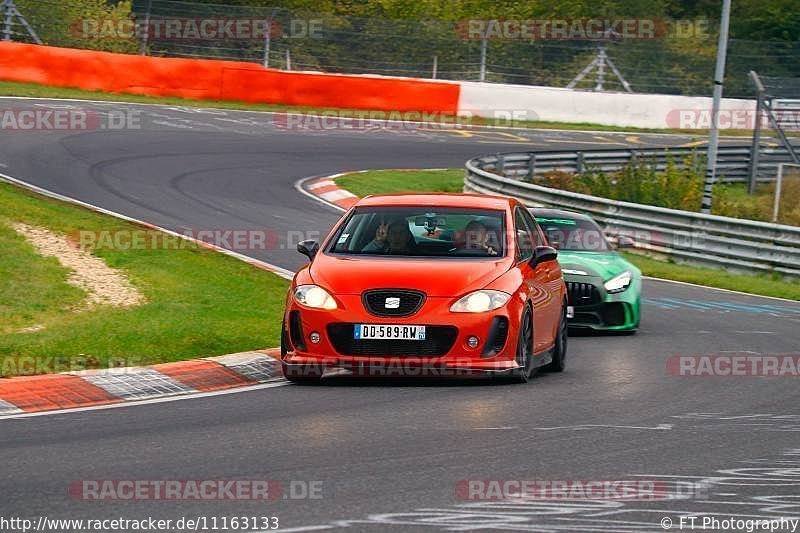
x=706 y=240
x=733 y=162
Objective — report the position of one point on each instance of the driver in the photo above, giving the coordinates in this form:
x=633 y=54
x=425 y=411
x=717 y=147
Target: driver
x=393 y=238
x=477 y=237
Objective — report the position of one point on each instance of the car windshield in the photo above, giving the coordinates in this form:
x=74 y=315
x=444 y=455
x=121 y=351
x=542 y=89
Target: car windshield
x=422 y=232
x=574 y=234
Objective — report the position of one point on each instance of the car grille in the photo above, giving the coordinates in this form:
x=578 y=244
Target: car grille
x=409 y=302
x=438 y=341
x=582 y=294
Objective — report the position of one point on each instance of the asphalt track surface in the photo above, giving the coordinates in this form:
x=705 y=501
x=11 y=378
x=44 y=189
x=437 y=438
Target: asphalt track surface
x=390 y=455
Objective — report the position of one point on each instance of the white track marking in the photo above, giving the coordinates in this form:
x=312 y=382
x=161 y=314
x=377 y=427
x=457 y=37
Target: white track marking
x=298 y=185
x=150 y=401
x=719 y=289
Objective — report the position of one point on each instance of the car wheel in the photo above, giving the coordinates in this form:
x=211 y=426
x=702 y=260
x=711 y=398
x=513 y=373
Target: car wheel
x=559 y=362
x=524 y=355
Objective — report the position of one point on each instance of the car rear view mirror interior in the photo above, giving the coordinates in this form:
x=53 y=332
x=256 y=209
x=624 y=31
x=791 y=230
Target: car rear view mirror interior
x=543 y=254
x=308 y=248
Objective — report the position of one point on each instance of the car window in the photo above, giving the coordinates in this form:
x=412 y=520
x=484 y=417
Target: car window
x=574 y=234
x=525 y=242
x=538 y=235
x=422 y=231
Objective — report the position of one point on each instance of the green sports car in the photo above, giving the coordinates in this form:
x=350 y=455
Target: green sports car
x=605 y=290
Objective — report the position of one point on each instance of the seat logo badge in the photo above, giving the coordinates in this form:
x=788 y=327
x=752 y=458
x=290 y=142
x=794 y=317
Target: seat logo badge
x=392 y=303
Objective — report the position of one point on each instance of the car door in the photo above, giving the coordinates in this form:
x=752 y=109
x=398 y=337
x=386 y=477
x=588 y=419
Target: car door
x=554 y=279
x=535 y=280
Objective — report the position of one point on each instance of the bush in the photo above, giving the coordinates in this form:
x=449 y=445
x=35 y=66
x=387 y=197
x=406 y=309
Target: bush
x=680 y=187
x=675 y=187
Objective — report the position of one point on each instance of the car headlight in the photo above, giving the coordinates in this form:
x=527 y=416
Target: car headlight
x=314 y=296
x=619 y=283
x=480 y=301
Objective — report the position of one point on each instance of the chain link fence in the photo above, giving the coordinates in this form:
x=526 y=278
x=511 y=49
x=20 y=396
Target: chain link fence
x=681 y=61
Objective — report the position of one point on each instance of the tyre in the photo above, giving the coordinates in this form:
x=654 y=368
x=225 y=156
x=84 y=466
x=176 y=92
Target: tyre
x=559 y=362
x=524 y=349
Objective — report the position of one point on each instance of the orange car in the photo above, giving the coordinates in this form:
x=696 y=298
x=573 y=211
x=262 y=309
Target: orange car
x=427 y=285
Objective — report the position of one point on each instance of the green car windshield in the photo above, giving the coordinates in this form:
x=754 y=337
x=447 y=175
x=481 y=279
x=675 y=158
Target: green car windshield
x=574 y=234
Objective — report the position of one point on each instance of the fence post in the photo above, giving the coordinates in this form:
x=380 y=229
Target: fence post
x=484 y=42
x=755 y=150
x=146 y=34
x=9 y=19
x=435 y=66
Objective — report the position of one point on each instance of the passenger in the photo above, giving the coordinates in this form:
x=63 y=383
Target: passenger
x=394 y=238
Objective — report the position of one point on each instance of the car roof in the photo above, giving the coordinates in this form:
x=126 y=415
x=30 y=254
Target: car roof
x=480 y=201
x=545 y=212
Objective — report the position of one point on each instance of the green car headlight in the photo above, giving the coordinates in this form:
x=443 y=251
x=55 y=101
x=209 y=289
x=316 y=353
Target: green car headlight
x=619 y=283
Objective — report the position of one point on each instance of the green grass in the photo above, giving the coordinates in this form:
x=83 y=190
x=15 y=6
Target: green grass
x=388 y=181
x=395 y=181
x=9 y=88
x=764 y=285
x=199 y=302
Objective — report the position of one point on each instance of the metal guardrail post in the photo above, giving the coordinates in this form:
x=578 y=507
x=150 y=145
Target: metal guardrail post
x=500 y=165
x=580 y=163
x=531 y=167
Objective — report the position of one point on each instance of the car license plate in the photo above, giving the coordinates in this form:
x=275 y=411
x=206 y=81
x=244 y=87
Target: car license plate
x=389 y=332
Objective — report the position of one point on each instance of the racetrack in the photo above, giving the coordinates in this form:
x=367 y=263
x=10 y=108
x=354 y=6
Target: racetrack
x=395 y=452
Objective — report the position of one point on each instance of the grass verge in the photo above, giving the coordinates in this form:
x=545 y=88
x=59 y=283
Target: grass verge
x=451 y=180
x=199 y=302
x=9 y=88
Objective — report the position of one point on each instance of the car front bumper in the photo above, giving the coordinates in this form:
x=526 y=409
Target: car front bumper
x=594 y=308
x=337 y=354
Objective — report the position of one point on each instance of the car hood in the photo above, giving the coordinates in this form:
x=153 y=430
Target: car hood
x=604 y=265
x=435 y=277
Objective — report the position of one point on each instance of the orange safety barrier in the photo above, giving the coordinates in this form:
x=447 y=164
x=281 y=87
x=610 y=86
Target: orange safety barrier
x=219 y=80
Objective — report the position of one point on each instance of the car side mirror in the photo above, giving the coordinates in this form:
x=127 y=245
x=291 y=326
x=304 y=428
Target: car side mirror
x=308 y=248
x=623 y=241
x=543 y=254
